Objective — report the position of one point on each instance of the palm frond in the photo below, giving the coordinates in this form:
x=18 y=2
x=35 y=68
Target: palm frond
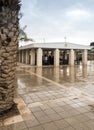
x=12 y=4
x=23 y=36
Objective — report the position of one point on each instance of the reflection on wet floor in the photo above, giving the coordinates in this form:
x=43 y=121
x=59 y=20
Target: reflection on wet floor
x=33 y=79
x=52 y=98
x=60 y=75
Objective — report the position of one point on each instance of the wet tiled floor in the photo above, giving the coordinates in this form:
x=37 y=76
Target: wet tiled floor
x=51 y=98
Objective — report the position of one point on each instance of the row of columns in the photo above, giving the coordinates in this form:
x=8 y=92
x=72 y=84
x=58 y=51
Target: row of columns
x=29 y=57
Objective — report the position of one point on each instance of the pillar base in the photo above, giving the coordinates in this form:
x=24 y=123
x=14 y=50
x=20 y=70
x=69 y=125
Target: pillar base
x=84 y=64
x=71 y=65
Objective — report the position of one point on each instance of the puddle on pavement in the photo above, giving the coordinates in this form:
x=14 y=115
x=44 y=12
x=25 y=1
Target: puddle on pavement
x=60 y=75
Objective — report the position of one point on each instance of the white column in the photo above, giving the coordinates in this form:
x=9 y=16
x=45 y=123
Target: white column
x=71 y=57
x=75 y=55
x=26 y=57
x=22 y=56
x=56 y=57
x=39 y=57
x=19 y=56
x=32 y=60
x=84 y=57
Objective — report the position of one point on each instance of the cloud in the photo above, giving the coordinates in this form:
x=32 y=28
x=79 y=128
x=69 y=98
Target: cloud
x=78 y=13
x=54 y=20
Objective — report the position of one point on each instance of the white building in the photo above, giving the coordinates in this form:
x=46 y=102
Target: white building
x=53 y=53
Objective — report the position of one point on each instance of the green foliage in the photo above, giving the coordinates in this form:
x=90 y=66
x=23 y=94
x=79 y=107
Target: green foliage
x=23 y=36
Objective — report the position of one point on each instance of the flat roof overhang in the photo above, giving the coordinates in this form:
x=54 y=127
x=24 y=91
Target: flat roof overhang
x=55 y=45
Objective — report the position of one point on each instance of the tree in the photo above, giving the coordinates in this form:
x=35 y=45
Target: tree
x=9 y=33
x=23 y=36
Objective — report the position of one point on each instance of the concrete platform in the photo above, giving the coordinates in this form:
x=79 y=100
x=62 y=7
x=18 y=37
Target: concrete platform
x=51 y=98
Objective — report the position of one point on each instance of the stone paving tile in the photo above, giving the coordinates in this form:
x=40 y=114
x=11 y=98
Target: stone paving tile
x=67 y=128
x=82 y=117
x=54 y=117
x=36 y=128
x=50 y=126
x=58 y=109
x=53 y=104
x=44 y=119
x=90 y=124
x=74 y=105
x=35 y=109
x=82 y=109
x=26 y=129
x=90 y=115
x=67 y=107
x=61 y=124
x=80 y=126
x=31 y=123
x=19 y=126
x=73 y=112
x=65 y=114
x=27 y=116
x=49 y=111
x=61 y=103
x=46 y=105
x=39 y=114
x=6 y=128
x=72 y=120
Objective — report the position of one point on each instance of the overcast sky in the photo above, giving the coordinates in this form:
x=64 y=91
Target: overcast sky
x=52 y=20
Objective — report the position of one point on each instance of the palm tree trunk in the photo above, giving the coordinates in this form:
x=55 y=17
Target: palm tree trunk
x=9 y=31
